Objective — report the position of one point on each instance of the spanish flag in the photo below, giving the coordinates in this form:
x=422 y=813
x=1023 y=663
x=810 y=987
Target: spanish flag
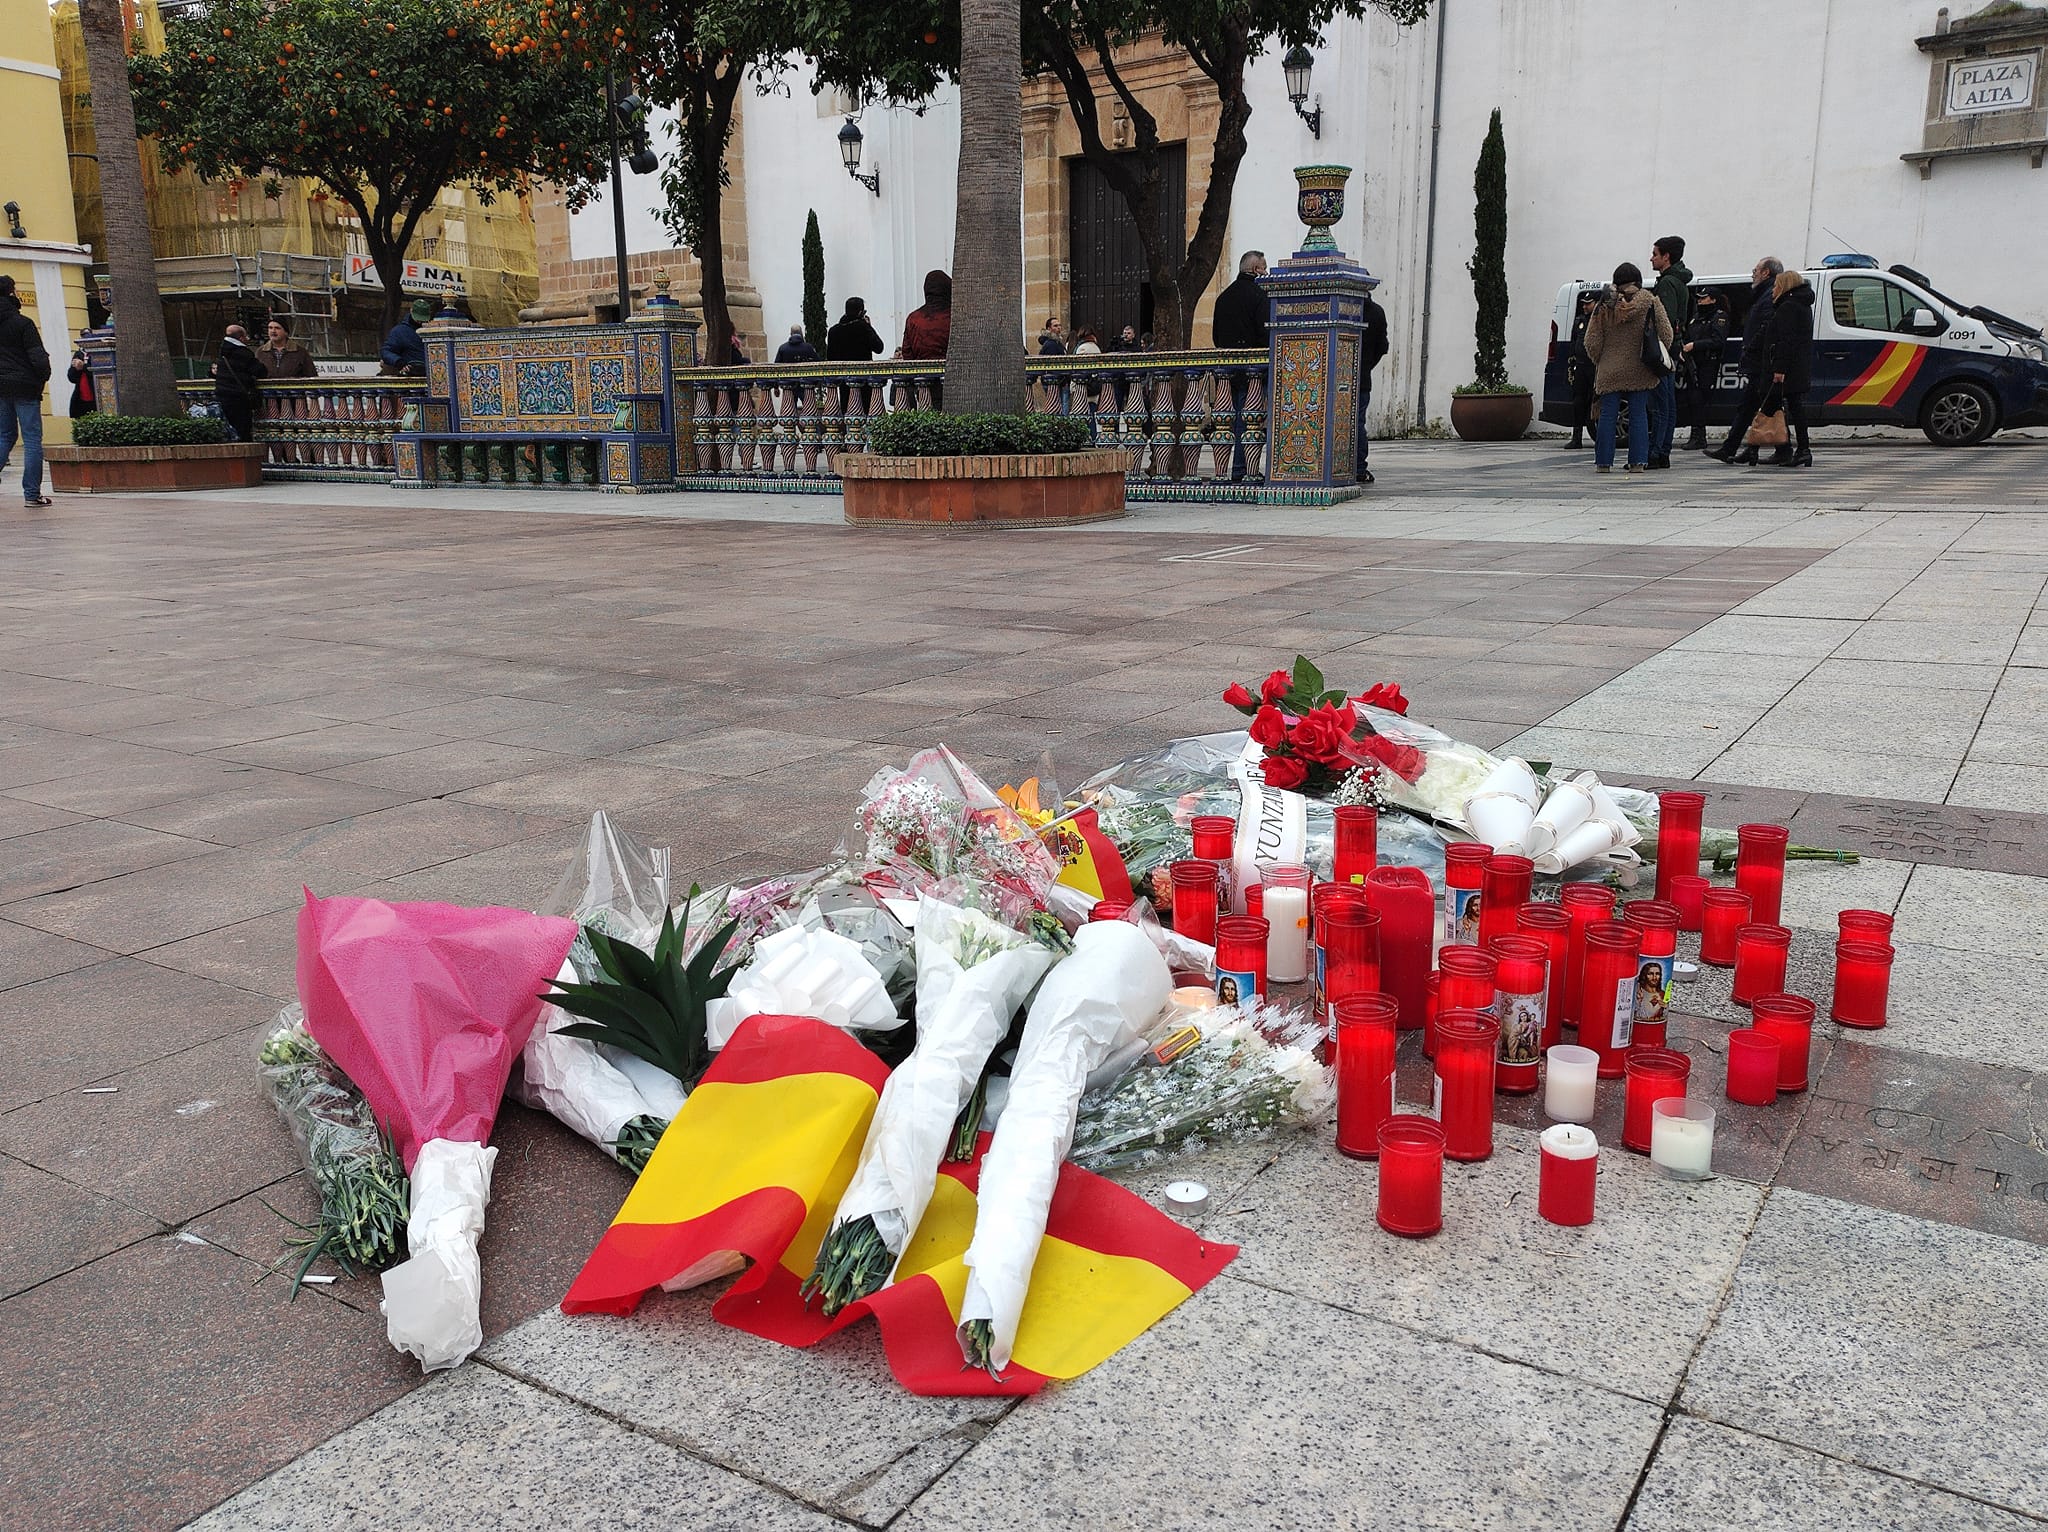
x=756 y=1163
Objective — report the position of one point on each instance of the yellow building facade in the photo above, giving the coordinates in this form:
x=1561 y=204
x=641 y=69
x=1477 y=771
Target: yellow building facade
x=48 y=264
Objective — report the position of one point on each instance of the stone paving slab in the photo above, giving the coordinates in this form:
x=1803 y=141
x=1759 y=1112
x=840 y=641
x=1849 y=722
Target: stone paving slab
x=478 y=1450
x=1258 y=1410
x=1893 y=1342
x=1709 y=1478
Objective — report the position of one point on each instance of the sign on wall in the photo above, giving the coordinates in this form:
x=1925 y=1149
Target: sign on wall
x=422 y=277
x=2004 y=84
x=1984 y=85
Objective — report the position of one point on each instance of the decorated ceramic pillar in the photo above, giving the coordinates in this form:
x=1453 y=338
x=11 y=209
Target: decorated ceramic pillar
x=1316 y=328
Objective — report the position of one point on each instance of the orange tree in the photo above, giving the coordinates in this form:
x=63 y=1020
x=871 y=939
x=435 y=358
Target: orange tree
x=385 y=102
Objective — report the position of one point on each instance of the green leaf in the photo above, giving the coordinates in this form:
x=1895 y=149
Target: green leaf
x=1308 y=680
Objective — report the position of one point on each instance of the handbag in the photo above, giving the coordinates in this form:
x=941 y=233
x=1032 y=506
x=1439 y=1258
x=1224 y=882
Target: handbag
x=1768 y=429
x=1655 y=356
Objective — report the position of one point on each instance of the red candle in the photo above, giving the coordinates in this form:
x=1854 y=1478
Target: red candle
x=1351 y=948
x=1466 y=981
x=1320 y=897
x=1653 y=1074
x=1760 y=868
x=1194 y=900
x=1752 y=1067
x=1429 y=1012
x=1464 y=871
x=1522 y=981
x=1215 y=842
x=1411 y=1176
x=1678 y=837
x=1760 y=950
x=1240 y=958
x=1503 y=890
x=1689 y=893
x=1864 y=925
x=1607 y=1008
x=1255 y=899
x=1358 y=840
x=1725 y=910
x=1584 y=904
x=1657 y=919
x=1564 y=1182
x=1788 y=1018
x=1552 y=926
x=1406 y=904
x=1863 y=977
x=1466 y=1041
x=1365 y=1071
x=1110 y=909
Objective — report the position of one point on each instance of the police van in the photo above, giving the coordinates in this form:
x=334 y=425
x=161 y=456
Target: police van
x=1889 y=348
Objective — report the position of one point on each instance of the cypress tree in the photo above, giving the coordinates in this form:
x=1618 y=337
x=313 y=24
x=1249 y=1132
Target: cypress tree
x=814 y=284
x=1489 y=266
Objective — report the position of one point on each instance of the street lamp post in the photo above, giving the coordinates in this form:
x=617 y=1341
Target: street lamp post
x=849 y=156
x=631 y=112
x=1296 y=65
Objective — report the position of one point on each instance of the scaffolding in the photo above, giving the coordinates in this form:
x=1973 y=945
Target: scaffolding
x=245 y=250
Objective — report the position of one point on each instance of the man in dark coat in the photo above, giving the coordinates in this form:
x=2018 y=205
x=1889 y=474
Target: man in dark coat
x=24 y=369
x=796 y=348
x=280 y=358
x=405 y=353
x=1239 y=323
x=1756 y=357
x=853 y=339
x=1374 y=352
x=237 y=378
x=1674 y=291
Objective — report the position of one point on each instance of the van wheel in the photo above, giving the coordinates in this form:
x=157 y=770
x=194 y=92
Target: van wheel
x=1959 y=415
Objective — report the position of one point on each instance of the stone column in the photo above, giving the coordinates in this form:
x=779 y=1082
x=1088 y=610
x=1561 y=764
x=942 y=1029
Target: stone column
x=1316 y=327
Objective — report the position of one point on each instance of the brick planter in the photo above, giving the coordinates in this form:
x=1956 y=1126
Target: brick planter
x=124 y=470
x=1027 y=490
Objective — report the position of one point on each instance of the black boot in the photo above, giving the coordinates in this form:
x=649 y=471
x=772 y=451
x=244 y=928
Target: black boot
x=1746 y=457
x=1697 y=442
x=1803 y=458
x=1578 y=440
x=1725 y=452
x=1782 y=458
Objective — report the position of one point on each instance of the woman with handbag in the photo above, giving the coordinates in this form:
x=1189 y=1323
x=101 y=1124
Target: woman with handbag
x=1629 y=341
x=1791 y=365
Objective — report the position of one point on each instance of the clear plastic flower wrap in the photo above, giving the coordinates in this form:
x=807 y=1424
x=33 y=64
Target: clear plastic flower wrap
x=1253 y=1070
x=616 y=883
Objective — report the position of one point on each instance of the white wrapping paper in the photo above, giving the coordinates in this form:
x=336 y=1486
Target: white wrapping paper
x=1100 y=998
x=804 y=971
x=1503 y=808
x=592 y=1091
x=962 y=1013
x=1569 y=805
x=432 y=1302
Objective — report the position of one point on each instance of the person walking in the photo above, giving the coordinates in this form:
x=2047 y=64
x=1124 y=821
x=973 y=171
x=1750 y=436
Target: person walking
x=1699 y=362
x=237 y=379
x=404 y=354
x=1791 y=364
x=1674 y=292
x=853 y=339
x=279 y=358
x=1578 y=367
x=1756 y=360
x=1373 y=351
x=24 y=369
x=85 y=392
x=928 y=330
x=796 y=348
x=1616 y=340
x=1052 y=341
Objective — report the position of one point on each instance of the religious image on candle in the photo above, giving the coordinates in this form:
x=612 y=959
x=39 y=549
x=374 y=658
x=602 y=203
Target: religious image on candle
x=1521 y=1029
x=1652 y=993
x=1464 y=917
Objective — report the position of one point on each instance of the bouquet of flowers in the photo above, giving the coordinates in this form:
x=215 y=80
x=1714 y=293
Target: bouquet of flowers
x=1313 y=736
x=1253 y=1070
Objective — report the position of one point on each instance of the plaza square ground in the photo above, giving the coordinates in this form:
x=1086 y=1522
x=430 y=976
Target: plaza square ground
x=207 y=702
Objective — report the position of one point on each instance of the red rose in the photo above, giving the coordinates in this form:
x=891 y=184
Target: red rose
x=1386 y=695
x=1238 y=696
x=1269 y=727
x=1344 y=720
x=1275 y=686
x=1284 y=771
x=1404 y=761
x=1317 y=738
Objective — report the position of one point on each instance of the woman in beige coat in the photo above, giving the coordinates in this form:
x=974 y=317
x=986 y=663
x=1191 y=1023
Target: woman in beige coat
x=1614 y=340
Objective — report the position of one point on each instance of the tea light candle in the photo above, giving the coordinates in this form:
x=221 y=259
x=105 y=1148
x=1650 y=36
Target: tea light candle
x=1571 y=1079
x=1569 y=1166
x=1286 y=913
x=1411 y=1176
x=1193 y=997
x=1752 y=1067
x=1682 y=1138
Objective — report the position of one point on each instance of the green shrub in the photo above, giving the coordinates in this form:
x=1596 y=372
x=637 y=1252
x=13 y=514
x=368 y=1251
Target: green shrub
x=927 y=433
x=145 y=431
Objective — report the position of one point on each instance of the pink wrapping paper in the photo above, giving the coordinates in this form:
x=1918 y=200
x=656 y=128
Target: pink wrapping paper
x=426 y=1006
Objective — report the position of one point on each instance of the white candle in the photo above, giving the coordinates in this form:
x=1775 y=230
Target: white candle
x=1682 y=1138
x=1572 y=1075
x=1287 y=934
x=1569 y=1141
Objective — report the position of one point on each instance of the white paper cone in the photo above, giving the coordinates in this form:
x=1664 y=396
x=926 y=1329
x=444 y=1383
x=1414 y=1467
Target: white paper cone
x=1604 y=807
x=1501 y=820
x=1568 y=806
x=1596 y=837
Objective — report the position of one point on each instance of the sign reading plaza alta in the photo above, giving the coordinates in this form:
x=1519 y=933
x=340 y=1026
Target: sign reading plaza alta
x=1982 y=85
x=422 y=277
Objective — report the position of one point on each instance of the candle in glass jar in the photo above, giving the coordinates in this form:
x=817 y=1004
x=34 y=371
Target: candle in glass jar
x=1571 y=1079
x=1466 y=1042
x=1760 y=951
x=1286 y=912
x=1194 y=900
x=1607 y=1007
x=1657 y=919
x=1522 y=982
x=1215 y=842
x=1109 y=909
x=1752 y=1067
x=1365 y=1072
x=1351 y=953
x=1864 y=925
x=1653 y=1074
x=1465 y=979
x=1411 y=1201
x=1240 y=959
x=1464 y=870
x=1863 y=977
x=1584 y=905
x=1503 y=889
x=1678 y=837
x=1760 y=869
x=1549 y=924
x=1723 y=912
x=1320 y=897
x=1406 y=905
x=1356 y=849
x=1689 y=894
x=1570 y=1164
x=1788 y=1018
x=1682 y=1138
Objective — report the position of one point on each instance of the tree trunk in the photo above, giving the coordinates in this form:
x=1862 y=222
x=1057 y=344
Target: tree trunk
x=985 y=357
x=145 y=384
x=390 y=263
x=1205 y=250
x=708 y=165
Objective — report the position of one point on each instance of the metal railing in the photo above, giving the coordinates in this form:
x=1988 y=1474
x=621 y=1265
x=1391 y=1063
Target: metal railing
x=1194 y=421
x=325 y=428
